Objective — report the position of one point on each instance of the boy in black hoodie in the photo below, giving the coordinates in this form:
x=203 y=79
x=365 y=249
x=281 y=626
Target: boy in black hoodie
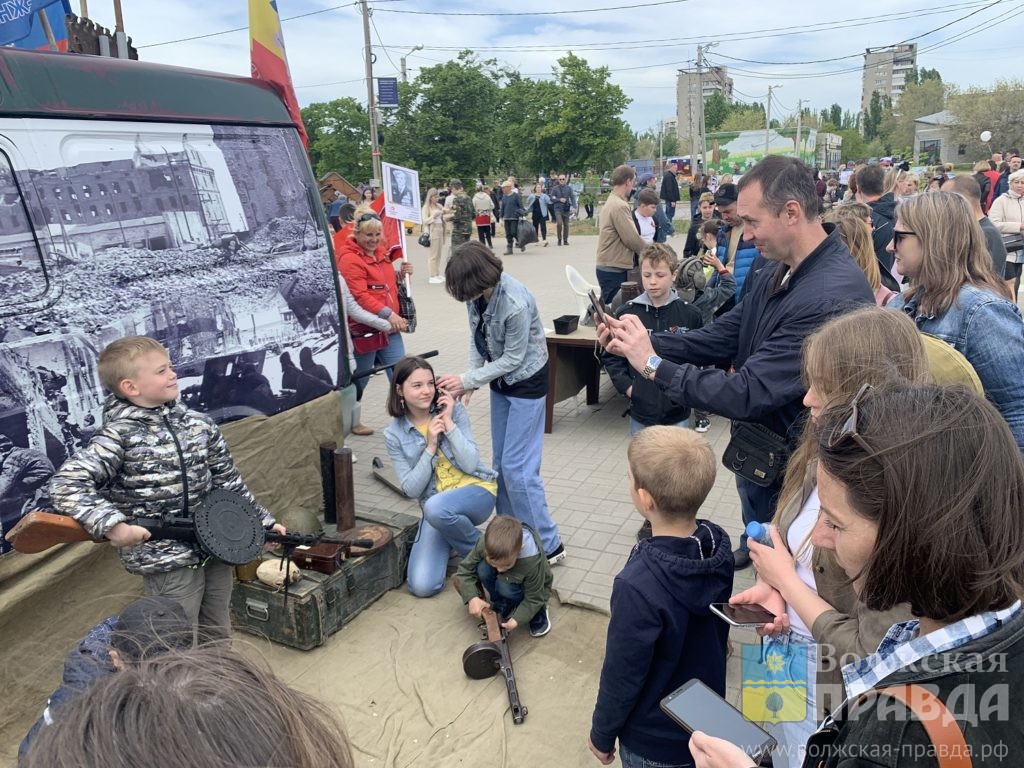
x=661 y=632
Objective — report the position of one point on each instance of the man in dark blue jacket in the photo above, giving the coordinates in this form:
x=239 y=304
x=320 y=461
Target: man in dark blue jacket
x=808 y=277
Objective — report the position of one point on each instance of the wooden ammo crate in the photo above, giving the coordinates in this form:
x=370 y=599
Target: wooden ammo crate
x=319 y=605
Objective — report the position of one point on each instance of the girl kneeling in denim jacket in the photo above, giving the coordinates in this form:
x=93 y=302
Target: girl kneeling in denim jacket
x=436 y=460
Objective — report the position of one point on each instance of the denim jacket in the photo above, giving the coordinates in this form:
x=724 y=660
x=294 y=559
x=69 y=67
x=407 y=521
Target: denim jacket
x=515 y=336
x=988 y=331
x=407 y=448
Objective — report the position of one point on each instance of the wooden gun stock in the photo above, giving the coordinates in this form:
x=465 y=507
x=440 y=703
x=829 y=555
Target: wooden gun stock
x=38 y=531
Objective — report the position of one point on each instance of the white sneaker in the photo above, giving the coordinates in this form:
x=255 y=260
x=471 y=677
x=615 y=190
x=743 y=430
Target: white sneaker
x=436 y=280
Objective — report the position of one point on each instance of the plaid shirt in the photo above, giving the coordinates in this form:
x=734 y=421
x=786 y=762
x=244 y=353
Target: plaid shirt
x=902 y=646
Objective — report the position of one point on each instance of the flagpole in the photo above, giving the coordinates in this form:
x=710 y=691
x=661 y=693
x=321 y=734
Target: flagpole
x=47 y=30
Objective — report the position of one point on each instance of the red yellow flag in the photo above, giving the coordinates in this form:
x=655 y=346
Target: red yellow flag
x=269 y=60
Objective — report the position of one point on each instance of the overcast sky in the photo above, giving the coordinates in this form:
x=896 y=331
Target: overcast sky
x=643 y=45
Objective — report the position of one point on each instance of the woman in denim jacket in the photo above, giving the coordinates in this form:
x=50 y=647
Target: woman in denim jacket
x=508 y=351
x=956 y=296
x=436 y=460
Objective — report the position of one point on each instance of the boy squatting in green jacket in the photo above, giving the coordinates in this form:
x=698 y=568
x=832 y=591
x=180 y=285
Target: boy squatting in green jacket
x=509 y=563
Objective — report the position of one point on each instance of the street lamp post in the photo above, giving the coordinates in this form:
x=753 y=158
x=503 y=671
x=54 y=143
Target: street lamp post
x=371 y=102
x=419 y=47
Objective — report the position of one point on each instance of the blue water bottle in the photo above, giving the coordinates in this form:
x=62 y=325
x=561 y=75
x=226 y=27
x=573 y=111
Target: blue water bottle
x=760 y=533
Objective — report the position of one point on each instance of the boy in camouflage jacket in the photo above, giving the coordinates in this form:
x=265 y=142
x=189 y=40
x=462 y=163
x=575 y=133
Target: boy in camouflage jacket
x=153 y=457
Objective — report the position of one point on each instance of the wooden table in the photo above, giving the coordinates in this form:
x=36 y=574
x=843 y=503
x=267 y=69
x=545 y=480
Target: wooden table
x=572 y=364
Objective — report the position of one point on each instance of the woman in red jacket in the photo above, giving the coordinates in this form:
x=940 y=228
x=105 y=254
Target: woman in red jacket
x=366 y=265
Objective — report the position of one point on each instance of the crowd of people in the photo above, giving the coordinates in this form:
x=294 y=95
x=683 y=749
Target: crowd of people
x=868 y=355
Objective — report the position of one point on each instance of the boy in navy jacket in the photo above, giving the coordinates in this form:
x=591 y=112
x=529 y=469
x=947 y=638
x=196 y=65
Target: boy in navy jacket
x=661 y=632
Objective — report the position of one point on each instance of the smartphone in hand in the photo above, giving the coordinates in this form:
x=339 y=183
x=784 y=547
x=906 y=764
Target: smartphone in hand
x=695 y=707
x=600 y=311
x=742 y=615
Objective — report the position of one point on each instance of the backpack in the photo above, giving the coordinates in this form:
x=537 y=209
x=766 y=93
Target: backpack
x=690 y=279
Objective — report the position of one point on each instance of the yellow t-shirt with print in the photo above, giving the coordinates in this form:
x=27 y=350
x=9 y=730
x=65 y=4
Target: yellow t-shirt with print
x=449 y=477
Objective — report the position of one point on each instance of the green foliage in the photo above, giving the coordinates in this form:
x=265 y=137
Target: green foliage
x=854 y=147
x=339 y=138
x=919 y=98
x=448 y=126
x=471 y=117
x=999 y=109
x=835 y=116
x=716 y=111
x=873 y=114
x=588 y=130
x=744 y=117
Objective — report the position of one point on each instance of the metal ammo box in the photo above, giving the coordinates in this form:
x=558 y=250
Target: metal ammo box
x=319 y=605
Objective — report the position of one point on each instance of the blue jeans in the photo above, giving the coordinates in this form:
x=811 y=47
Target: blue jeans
x=392 y=353
x=504 y=597
x=792 y=736
x=635 y=426
x=610 y=281
x=517 y=440
x=756 y=503
x=670 y=211
x=449 y=522
x=631 y=759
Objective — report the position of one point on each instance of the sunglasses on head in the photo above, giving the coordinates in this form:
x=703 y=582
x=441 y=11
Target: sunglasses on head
x=368 y=217
x=898 y=235
x=846 y=430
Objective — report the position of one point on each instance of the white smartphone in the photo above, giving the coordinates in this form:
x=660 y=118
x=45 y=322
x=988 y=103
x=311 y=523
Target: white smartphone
x=742 y=615
x=696 y=707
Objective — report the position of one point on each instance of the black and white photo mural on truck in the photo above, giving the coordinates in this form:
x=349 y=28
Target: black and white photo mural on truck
x=207 y=238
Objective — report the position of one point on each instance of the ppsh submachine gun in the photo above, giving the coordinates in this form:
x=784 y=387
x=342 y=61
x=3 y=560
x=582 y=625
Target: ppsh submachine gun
x=225 y=526
x=490 y=656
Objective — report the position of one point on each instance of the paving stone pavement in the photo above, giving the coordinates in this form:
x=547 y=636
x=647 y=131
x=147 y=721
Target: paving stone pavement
x=584 y=463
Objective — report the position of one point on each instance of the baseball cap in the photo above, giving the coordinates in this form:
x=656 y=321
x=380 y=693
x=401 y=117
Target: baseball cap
x=644 y=178
x=151 y=626
x=726 y=195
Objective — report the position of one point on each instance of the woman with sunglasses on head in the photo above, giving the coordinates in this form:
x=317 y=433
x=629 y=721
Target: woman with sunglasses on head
x=954 y=294
x=366 y=265
x=436 y=460
x=806 y=590
x=921 y=496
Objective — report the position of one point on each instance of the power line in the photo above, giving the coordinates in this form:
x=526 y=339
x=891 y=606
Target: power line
x=246 y=27
x=831 y=73
x=858 y=55
x=826 y=26
x=535 y=13
x=379 y=40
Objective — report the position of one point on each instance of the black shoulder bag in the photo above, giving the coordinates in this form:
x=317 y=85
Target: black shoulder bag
x=755 y=453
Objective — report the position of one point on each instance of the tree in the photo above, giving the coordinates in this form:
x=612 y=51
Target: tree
x=588 y=130
x=526 y=142
x=744 y=117
x=339 y=138
x=999 y=110
x=873 y=115
x=835 y=116
x=854 y=146
x=448 y=126
x=716 y=110
x=919 y=98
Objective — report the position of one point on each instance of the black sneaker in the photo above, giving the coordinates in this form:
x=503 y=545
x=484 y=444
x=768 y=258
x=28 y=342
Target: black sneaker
x=703 y=424
x=556 y=556
x=741 y=558
x=645 y=531
x=540 y=624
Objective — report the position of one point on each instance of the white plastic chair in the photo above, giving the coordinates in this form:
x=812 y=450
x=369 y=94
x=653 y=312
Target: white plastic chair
x=580 y=287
